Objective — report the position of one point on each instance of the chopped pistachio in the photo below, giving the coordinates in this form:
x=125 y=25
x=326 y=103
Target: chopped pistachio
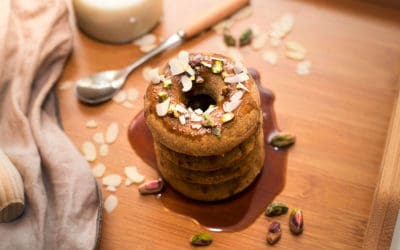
x=217 y=67
x=245 y=38
x=275 y=209
x=192 y=77
x=229 y=39
x=201 y=239
x=208 y=121
x=224 y=74
x=162 y=96
x=151 y=187
x=172 y=110
x=167 y=83
x=216 y=131
x=227 y=117
x=281 y=139
x=274 y=232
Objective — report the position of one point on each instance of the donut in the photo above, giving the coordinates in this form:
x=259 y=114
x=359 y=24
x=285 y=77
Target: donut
x=202 y=104
x=203 y=111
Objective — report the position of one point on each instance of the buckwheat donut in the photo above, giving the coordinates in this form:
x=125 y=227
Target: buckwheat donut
x=202 y=105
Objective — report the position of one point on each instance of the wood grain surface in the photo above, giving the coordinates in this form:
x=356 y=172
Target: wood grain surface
x=340 y=114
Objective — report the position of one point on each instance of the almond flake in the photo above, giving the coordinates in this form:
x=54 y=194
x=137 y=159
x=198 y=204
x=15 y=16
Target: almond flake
x=183 y=57
x=91 y=124
x=148 y=47
x=259 y=41
x=287 y=22
x=237 y=78
x=111 y=189
x=162 y=108
x=120 y=96
x=145 y=40
x=89 y=151
x=112 y=133
x=112 y=180
x=196 y=126
x=198 y=111
x=182 y=119
x=128 y=182
x=270 y=57
x=98 y=170
x=294 y=46
x=98 y=138
x=241 y=86
x=133 y=174
x=132 y=94
x=195 y=118
x=110 y=203
x=176 y=66
x=274 y=41
x=303 y=68
x=295 y=55
x=180 y=108
x=65 y=85
x=128 y=105
x=237 y=96
x=103 y=150
x=186 y=83
x=231 y=105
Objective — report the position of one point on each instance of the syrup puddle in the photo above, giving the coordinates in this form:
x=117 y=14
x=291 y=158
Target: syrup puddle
x=239 y=211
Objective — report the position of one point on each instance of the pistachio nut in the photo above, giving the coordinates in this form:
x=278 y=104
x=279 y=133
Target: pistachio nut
x=275 y=209
x=281 y=139
x=246 y=37
x=216 y=131
x=217 y=67
x=296 y=221
x=151 y=187
x=229 y=39
x=201 y=239
x=274 y=232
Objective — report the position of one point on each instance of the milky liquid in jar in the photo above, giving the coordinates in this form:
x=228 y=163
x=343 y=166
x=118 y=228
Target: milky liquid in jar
x=117 y=21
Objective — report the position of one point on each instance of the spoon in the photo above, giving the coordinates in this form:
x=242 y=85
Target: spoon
x=102 y=86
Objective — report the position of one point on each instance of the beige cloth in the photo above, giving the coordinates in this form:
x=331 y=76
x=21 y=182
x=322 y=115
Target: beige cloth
x=63 y=205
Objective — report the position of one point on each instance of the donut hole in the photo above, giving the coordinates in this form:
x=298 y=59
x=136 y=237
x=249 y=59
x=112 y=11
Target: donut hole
x=200 y=101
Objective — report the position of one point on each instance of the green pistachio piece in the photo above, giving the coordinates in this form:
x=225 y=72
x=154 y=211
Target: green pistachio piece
x=227 y=117
x=162 y=96
x=245 y=38
x=281 y=139
x=229 y=39
x=167 y=83
x=275 y=209
x=224 y=74
x=208 y=121
x=151 y=187
x=274 y=232
x=217 y=67
x=201 y=239
x=216 y=131
x=296 y=221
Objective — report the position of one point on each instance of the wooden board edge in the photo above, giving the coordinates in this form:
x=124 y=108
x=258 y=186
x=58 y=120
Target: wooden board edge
x=386 y=202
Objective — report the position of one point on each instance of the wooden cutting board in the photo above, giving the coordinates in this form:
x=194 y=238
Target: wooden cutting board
x=342 y=114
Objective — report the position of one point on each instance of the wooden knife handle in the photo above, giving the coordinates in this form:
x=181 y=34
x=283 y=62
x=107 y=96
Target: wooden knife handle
x=12 y=202
x=223 y=9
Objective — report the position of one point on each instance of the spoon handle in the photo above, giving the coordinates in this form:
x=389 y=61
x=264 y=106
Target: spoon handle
x=212 y=16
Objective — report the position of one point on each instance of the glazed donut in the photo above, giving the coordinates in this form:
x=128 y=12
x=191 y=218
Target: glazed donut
x=202 y=105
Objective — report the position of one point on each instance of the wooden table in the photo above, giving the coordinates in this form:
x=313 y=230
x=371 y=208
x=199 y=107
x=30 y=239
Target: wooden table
x=341 y=114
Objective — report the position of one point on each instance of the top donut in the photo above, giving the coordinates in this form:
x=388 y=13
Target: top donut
x=202 y=104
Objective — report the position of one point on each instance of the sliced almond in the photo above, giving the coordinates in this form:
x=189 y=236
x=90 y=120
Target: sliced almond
x=186 y=83
x=128 y=182
x=111 y=189
x=112 y=180
x=91 y=124
x=237 y=78
x=183 y=57
x=176 y=66
x=237 y=96
x=65 y=85
x=132 y=94
x=148 y=47
x=112 y=132
x=98 y=138
x=231 y=105
x=270 y=57
x=242 y=86
x=103 y=150
x=260 y=41
x=295 y=46
x=275 y=41
x=287 y=22
x=98 y=170
x=145 y=40
x=303 y=68
x=295 y=55
x=120 y=97
x=133 y=174
x=128 y=105
x=89 y=151
x=196 y=126
x=162 y=108
x=110 y=203
x=182 y=119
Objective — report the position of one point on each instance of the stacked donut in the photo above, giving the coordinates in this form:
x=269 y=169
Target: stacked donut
x=203 y=111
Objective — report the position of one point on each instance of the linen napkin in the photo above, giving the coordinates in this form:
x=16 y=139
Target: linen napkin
x=62 y=200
